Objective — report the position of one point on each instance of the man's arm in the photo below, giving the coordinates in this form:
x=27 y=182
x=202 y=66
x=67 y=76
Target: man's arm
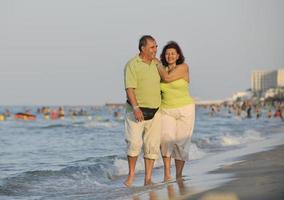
x=132 y=99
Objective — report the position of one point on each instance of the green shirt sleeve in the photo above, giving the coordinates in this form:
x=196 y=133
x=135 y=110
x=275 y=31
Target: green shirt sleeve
x=130 y=79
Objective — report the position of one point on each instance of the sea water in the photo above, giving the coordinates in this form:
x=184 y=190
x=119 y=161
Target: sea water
x=84 y=157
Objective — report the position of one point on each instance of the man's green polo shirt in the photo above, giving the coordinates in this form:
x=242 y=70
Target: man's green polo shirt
x=145 y=79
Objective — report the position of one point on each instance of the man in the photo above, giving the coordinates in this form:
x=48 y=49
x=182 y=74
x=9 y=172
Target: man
x=142 y=123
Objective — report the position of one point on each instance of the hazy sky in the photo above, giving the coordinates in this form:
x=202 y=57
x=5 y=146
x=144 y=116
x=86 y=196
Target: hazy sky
x=73 y=52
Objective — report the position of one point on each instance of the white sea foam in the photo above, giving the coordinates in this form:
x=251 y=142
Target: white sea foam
x=195 y=153
x=100 y=124
x=246 y=137
x=121 y=166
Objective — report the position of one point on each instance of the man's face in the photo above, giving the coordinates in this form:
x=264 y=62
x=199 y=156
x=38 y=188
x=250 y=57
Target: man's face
x=150 y=49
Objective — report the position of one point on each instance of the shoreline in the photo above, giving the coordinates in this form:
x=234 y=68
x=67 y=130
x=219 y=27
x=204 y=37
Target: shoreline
x=256 y=176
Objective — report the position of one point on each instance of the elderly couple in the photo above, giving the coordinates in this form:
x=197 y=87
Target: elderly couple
x=160 y=111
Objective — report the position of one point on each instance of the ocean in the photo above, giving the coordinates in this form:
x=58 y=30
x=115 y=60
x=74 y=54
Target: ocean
x=84 y=157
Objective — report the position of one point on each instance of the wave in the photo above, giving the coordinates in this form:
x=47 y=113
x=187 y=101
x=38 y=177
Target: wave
x=106 y=123
x=220 y=141
x=195 y=152
x=67 y=123
x=42 y=182
x=54 y=126
x=248 y=136
x=94 y=172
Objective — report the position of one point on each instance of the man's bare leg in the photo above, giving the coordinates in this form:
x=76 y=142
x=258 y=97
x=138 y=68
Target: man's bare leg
x=167 y=168
x=149 y=164
x=131 y=174
x=179 y=167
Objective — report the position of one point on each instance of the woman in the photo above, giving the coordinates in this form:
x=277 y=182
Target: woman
x=177 y=109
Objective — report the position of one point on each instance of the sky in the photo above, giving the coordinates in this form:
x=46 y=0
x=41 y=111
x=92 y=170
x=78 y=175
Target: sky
x=73 y=52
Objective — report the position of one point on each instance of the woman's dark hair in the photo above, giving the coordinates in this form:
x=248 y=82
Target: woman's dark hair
x=172 y=45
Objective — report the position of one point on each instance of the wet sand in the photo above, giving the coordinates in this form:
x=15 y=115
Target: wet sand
x=258 y=176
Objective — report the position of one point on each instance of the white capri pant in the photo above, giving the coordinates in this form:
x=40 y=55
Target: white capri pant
x=177 y=128
x=146 y=133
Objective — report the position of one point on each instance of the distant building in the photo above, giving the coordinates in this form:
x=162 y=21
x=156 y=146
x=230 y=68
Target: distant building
x=262 y=80
x=274 y=92
x=242 y=95
x=280 y=77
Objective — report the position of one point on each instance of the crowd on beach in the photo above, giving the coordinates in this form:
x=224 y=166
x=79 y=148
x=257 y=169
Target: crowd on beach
x=243 y=109
x=59 y=112
x=44 y=112
x=249 y=109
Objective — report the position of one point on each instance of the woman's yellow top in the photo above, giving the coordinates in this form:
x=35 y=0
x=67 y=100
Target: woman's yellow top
x=175 y=94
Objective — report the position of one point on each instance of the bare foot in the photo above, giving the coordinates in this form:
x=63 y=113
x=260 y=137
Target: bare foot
x=128 y=182
x=148 y=182
x=167 y=178
x=179 y=177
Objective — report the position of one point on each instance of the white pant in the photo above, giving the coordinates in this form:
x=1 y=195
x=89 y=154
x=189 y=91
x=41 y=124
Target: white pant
x=146 y=133
x=177 y=128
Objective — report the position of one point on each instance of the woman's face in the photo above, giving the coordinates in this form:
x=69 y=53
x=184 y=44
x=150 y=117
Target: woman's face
x=171 y=56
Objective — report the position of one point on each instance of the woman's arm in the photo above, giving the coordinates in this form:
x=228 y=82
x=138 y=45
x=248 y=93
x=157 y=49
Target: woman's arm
x=180 y=71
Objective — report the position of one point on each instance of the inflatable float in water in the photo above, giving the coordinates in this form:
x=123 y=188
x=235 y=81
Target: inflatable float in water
x=25 y=116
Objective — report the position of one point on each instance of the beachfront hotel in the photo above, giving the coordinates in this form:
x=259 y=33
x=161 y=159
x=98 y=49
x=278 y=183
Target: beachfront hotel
x=262 y=80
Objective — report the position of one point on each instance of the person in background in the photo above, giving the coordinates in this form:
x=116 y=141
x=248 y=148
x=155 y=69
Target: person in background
x=142 y=121
x=278 y=113
x=269 y=113
x=54 y=114
x=61 y=113
x=177 y=109
x=249 y=111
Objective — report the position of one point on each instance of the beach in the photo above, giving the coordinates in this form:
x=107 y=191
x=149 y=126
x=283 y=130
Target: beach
x=258 y=176
x=84 y=157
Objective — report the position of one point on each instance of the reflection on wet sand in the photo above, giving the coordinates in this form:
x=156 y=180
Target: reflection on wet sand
x=171 y=191
x=182 y=190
